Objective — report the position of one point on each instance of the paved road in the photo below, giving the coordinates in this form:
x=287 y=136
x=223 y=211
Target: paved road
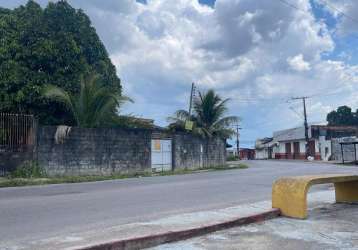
x=41 y=212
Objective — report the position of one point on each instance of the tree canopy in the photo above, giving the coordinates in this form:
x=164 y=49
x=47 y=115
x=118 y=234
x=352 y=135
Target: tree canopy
x=55 y=45
x=343 y=116
x=208 y=116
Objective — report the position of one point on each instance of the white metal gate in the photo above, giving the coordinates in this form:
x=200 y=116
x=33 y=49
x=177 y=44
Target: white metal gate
x=161 y=154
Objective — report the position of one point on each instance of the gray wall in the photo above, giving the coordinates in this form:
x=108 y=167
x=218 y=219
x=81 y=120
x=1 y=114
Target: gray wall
x=106 y=151
x=194 y=152
x=94 y=151
x=348 y=150
x=11 y=159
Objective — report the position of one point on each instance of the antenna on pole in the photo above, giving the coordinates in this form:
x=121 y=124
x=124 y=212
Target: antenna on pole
x=192 y=94
x=189 y=123
x=238 y=141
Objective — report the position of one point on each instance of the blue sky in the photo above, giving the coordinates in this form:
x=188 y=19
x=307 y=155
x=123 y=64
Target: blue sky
x=259 y=53
x=208 y=2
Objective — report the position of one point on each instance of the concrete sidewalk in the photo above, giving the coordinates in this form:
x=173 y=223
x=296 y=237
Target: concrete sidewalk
x=329 y=226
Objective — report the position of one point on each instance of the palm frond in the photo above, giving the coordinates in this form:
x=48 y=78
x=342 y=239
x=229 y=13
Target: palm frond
x=179 y=116
x=57 y=94
x=226 y=122
x=95 y=104
x=209 y=116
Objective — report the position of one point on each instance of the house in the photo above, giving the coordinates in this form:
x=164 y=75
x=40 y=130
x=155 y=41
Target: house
x=292 y=142
x=231 y=152
x=247 y=153
x=265 y=148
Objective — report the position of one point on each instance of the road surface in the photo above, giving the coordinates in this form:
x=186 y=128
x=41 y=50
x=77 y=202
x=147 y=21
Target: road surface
x=41 y=212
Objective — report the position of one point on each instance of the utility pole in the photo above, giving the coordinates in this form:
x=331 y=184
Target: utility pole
x=237 y=140
x=189 y=123
x=303 y=98
x=192 y=94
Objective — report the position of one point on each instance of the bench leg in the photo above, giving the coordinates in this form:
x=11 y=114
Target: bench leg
x=290 y=198
x=346 y=191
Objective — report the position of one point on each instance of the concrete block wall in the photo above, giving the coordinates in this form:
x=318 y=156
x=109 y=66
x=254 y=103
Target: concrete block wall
x=106 y=151
x=10 y=160
x=348 y=150
x=191 y=152
x=94 y=151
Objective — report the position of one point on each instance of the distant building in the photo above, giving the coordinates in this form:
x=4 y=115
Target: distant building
x=231 y=152
x=265 y=148
x=345 y=149
x=292 y=142
x=247 y=154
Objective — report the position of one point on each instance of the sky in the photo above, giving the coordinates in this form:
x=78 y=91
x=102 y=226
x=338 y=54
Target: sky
x=258 y=53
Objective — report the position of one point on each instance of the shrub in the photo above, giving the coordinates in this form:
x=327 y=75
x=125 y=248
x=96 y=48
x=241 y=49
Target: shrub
x=30 y=169
x=232 y=158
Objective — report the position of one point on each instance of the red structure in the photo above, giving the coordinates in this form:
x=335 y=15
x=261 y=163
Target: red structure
x=247 y=154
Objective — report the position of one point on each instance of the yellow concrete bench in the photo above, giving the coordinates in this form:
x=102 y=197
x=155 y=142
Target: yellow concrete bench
x=289 y=194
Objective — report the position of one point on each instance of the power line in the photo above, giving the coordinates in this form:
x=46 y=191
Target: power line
x=302 y=10
x=258 y=124
x=339 y=11
x=291 y=5
x=334 y=89
x=255 y=100
x=322 y=93
x=296 y=112
x=284 y=100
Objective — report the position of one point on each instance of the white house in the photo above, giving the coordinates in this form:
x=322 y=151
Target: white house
x=231 y=152
x=265 y=148
x=292 y=142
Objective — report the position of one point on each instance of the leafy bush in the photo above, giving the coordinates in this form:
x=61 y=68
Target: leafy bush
x=30 y=169
x=232 y=158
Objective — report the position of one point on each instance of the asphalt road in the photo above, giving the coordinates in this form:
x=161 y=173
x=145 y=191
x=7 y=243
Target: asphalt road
x=40 y=212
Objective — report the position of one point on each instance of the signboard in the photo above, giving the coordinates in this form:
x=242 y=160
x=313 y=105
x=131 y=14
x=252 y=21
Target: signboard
x=189 y=125
x=157 y=145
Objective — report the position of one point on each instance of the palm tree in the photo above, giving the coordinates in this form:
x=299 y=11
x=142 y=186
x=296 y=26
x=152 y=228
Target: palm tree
x=208 y=116
x=95 y=105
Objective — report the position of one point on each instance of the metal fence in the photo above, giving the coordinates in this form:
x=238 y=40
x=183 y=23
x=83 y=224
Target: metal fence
x=17 y=132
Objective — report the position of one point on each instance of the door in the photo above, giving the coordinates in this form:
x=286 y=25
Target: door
x=201 y=156
x=296 y=150
x=270 y=153
x=288 y=150
x=161 y=155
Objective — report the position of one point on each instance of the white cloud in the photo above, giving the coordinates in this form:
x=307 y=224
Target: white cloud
x=243 y=48
x=346 y=13
x=298 y=63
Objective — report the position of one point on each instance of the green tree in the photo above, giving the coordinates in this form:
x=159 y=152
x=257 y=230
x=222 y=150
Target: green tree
x=208 y=116
x=343 y=116
x=94 y=106
x=55 y=45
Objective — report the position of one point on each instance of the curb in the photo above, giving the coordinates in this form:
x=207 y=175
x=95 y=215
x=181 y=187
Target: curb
x=158 y=239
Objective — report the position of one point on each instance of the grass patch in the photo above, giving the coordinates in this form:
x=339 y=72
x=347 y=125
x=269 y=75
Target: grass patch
x=347 y=164
x=18 y=180
x=198 y=170
x=241 y=166
x=232 y=158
